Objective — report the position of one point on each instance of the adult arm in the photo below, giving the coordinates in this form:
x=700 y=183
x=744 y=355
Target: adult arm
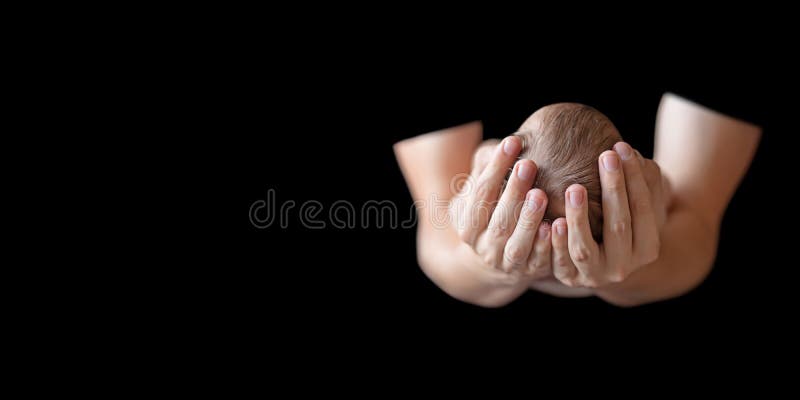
x=704 y=155
x=430 y=163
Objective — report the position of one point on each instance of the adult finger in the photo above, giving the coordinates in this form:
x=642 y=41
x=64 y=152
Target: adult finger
x=639 y=157
x=539 y=263
x=563 y=268
x=651 y=172
x=643 y=219
x=505 y=215
x=518 y=247
x=652 y=175
x=617 y=234
x=583 y=250
x=483 y=197
x=462 y=188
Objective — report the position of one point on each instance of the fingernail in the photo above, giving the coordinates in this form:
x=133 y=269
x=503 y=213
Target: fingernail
x=544 y=229
x=610 y=162
x=624 y=150
x=511 y=146
x=575 y=198
x=525 y=171
x=560 y=229
x=533 y=203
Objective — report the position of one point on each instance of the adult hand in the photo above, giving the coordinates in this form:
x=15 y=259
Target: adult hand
x=634 y=209
x=508 y=235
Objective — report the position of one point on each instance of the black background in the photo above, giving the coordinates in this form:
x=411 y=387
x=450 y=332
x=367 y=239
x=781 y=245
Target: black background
x=318 y=122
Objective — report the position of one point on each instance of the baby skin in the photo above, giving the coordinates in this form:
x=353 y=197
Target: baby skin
x=657 y=241
x=565 y=141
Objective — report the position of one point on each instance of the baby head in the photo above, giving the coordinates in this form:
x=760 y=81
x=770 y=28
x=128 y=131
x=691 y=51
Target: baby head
x=565 y=141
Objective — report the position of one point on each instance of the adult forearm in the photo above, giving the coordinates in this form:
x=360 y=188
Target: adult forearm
x=429 y=164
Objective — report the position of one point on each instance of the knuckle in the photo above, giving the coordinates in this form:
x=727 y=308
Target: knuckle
x=490 y=259
x=527 y=223
x=515 y=254
x=483 y=189
x=580 y=253
x=618 y=228
x=538 y=267
x=564 y=274
x=498 y=230
x=561 y=261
